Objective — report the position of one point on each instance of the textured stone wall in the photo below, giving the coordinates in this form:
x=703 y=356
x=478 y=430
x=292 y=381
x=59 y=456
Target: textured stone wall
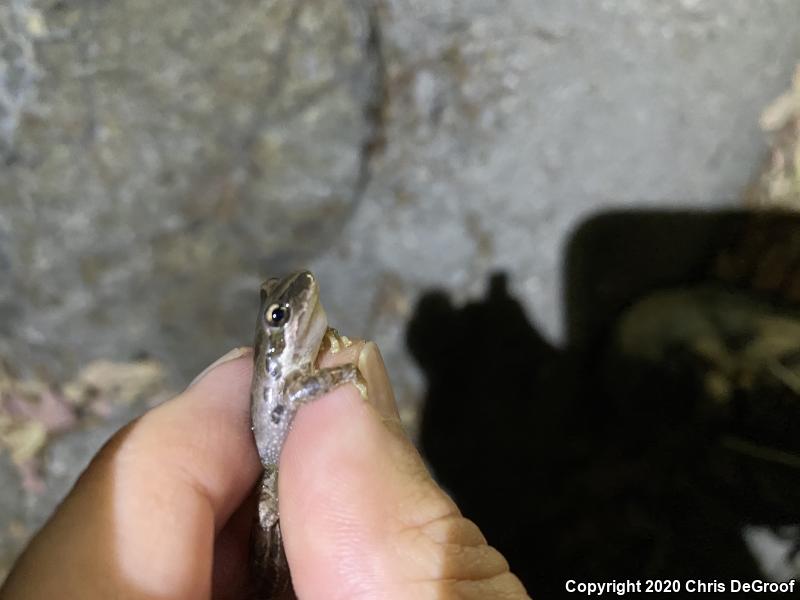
x=159 y=160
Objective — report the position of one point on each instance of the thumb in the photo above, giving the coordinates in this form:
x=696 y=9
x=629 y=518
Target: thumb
x=362 y=517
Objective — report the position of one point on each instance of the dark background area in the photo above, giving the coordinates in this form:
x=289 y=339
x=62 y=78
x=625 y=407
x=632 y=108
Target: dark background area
x=587 y=462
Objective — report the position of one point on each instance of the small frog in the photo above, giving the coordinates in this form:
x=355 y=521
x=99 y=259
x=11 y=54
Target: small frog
x=290 y=331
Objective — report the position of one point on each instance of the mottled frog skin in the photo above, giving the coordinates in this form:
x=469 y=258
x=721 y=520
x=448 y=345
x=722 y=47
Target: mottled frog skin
x=290 y=330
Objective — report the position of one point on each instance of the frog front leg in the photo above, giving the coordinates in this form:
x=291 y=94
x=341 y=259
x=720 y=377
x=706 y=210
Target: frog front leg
x=300 y=389
x=336 y=341
x=307 y=388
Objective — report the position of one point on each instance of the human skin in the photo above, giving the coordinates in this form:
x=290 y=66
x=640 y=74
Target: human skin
x=165 y=509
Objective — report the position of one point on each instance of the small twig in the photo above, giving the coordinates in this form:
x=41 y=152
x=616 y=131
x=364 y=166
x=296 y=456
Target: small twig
x=760 y=452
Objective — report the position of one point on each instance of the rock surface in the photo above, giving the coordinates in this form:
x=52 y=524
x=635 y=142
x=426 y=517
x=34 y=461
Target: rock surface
x=163 y=160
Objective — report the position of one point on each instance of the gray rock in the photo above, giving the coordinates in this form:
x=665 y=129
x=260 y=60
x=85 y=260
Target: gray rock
x=161 y=161
x=165 y=158
x=509 y=123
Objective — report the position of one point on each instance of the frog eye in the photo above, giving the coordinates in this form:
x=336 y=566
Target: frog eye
x=277 y=315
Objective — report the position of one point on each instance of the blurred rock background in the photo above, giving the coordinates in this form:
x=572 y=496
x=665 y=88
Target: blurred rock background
x=157 y=161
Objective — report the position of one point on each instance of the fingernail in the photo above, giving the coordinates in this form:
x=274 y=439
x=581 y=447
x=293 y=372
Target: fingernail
x=379 y=388
x=232 y=355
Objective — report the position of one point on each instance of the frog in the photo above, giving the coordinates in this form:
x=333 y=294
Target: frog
x=291 y=330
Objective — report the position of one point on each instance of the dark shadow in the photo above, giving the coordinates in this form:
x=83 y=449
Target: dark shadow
x=598 y=464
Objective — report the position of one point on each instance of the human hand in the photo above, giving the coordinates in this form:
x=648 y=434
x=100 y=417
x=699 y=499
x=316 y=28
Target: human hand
x=165 y=509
